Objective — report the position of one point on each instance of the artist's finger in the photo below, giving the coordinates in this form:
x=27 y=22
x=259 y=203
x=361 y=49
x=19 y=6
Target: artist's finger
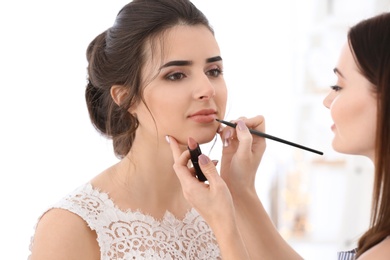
x=227 y=135
x=244 y=137
x=257 y=123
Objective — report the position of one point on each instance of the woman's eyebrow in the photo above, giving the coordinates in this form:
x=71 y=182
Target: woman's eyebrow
x=176 y=63
x=187 y=62
x=213 y=59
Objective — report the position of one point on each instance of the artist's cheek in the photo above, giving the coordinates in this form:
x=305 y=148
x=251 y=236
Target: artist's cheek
x=339 y=109
x=334 y=111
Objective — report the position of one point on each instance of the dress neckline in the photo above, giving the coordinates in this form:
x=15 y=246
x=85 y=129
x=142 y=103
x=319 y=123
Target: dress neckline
x=168 y=215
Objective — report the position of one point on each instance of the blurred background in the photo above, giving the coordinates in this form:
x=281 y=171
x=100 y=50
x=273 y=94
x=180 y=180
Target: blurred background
x=279 y=58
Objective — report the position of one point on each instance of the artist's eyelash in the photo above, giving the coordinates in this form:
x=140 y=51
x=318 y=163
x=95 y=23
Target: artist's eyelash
x=335 y=88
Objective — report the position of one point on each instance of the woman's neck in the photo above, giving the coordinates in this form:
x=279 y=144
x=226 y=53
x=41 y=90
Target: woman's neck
x=145 y=180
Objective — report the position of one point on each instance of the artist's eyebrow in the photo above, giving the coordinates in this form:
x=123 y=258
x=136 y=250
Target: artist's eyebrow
x=187 y=62
x=337 y=71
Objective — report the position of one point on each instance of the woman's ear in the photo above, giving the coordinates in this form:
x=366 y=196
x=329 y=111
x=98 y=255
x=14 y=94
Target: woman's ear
x=118 y=93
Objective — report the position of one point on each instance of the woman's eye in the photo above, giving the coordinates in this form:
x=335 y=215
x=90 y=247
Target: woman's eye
x=214 y=72
x=335 y=88
x=175 y=76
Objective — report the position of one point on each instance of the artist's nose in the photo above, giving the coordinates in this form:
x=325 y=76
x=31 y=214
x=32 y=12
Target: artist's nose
x=328 y=100
x=204 y=88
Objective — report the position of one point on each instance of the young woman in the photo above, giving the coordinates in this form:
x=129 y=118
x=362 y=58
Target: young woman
x=359 y=104
x=156 y=72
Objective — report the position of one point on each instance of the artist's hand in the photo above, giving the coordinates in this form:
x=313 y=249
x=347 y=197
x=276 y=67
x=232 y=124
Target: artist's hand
x=212 y=200
x=242 y=153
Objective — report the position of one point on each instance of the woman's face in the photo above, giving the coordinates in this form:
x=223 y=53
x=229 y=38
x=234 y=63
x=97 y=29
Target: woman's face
x=185 y=90
x=353 y=108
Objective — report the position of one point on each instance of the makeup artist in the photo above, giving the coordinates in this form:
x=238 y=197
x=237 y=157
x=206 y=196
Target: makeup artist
x=359 y=104
x=155 y=75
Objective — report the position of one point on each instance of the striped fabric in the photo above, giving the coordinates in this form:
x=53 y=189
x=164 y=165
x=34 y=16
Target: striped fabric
x=347 y=255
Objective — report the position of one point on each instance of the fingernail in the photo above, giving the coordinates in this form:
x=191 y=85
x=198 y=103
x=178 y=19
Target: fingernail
x=167 y=139
x=203 y=159
x=241 y=125
x=226 y=138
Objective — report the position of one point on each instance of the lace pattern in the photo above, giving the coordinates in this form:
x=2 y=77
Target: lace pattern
x=134 y=235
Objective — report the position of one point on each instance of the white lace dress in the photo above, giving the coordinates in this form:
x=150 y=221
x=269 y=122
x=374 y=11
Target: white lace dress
x=133 y=235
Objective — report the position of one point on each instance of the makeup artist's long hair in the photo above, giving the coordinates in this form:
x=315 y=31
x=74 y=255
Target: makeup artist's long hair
x=370 y=42
x=116 y=57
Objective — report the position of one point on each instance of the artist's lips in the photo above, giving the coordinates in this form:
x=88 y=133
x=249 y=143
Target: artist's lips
x=204 y=116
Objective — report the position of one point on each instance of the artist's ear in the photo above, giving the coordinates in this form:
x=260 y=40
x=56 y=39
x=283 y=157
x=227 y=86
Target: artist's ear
x=118 y=93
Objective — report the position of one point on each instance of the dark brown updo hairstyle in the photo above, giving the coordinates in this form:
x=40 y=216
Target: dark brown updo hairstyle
x=116 y=56
x=370 y=43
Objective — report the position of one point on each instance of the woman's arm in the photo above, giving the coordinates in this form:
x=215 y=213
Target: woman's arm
x=61 y=234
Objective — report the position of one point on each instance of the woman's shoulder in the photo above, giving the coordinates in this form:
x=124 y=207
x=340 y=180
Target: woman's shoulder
x=73 y=218
x=380 y=251
x=86 y=201
x=59 y=225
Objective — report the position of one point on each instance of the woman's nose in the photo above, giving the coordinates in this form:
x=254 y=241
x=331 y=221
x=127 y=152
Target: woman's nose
x=204 y=88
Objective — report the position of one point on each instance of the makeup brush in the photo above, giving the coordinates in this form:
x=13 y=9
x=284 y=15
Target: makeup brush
x=258 y=133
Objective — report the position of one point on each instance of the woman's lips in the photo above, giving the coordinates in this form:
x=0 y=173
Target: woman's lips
x=204 y=116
